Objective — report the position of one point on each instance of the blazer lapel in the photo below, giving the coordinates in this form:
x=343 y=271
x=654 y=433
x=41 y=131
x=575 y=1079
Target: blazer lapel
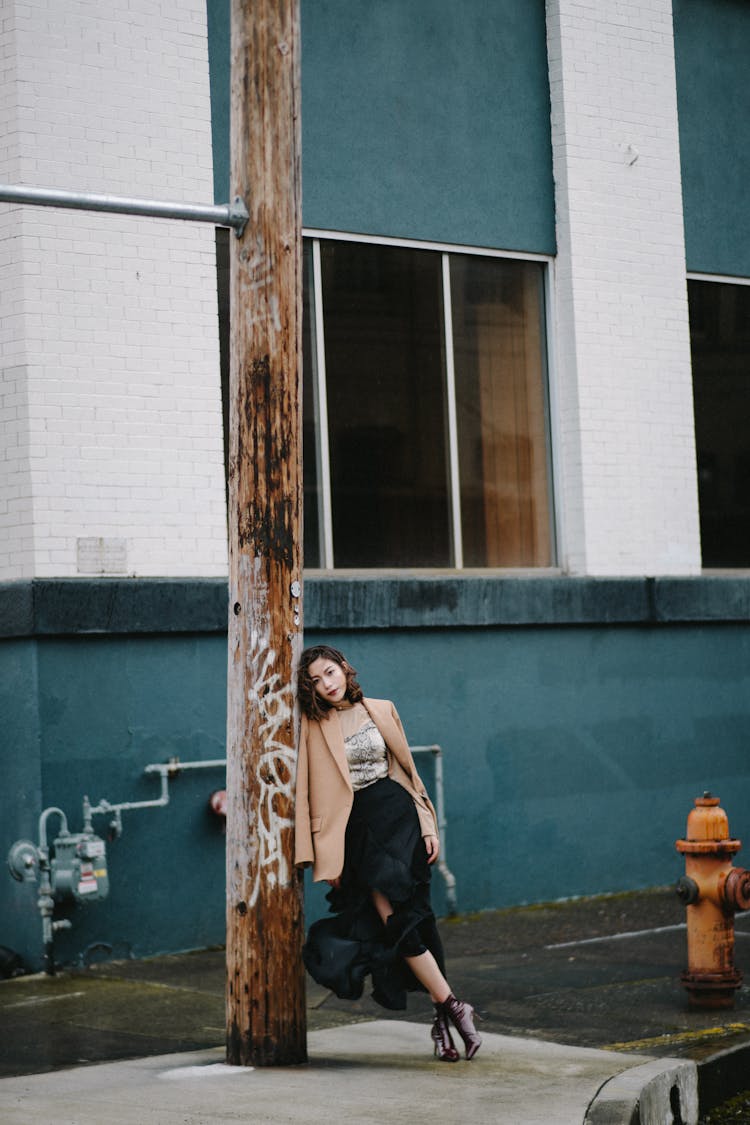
x=331 y=729
x=380 y=714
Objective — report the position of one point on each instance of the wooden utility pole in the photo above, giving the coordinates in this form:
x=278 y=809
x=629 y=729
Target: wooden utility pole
x=265 y=977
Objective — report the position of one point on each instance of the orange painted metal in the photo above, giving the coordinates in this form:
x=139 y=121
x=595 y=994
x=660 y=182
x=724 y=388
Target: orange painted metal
x=713 y=890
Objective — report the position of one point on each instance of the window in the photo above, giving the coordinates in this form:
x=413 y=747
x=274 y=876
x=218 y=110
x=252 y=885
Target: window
x=720 y=342
x=426 y=422
x=424 y=409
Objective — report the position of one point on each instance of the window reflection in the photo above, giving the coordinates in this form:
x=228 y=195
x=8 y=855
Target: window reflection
x=502 y=430
x=382 y=309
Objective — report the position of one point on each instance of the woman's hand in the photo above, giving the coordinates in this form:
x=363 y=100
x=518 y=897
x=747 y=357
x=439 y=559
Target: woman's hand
x=432 y=845
x=335 y=883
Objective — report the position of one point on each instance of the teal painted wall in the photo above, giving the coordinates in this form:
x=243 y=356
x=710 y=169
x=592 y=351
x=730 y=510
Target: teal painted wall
x=21 y=790
x=712 y=51
x=572 y=757
x=219 y=63
x=106 y=708
x=423 y=119
x=109 y=707
x=430 y=120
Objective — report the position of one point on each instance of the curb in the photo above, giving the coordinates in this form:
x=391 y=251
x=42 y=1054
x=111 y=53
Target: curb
x=656 y=1093
x=723 y=1075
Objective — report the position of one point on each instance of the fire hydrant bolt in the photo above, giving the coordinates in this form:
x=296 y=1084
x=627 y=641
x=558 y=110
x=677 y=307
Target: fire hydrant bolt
x=688 y=890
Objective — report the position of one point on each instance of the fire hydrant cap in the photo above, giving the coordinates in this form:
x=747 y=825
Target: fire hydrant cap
x=707 y=821
x=707 y=829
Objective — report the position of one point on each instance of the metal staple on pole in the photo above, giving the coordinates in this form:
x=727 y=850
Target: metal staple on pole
x=234 y=215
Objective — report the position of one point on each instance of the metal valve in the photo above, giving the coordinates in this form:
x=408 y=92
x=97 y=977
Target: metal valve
x=23 y=861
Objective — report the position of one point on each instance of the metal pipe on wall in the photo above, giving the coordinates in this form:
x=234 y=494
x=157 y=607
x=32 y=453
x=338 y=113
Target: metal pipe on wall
x=232 y=215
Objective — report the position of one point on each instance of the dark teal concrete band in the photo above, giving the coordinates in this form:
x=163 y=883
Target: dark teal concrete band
x=73 y=606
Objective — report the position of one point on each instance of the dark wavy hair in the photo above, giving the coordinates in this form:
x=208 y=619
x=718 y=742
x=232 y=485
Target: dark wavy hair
x=311 y=703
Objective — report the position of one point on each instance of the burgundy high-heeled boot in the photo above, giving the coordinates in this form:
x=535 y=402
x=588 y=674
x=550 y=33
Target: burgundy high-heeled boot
x=440 y=1033
x=462 y=1016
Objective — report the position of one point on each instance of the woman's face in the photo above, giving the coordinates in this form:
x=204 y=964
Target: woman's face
x=328 y=679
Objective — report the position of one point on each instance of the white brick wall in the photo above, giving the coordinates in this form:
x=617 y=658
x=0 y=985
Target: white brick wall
x=624 y=427
x=110 y=344
x=16 y=516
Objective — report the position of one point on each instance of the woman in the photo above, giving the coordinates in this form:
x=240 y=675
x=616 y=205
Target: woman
x=366 y=825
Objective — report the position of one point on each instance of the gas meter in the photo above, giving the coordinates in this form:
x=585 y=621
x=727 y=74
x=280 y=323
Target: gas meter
x=73 y=866
x=79 y=867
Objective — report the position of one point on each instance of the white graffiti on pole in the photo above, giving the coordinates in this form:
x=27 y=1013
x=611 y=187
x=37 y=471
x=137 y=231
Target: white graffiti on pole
x=274 y=702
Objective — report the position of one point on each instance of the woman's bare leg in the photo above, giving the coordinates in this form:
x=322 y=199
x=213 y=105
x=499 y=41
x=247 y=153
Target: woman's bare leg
x=447 y=1007
x=425 y=969
x=424 y=966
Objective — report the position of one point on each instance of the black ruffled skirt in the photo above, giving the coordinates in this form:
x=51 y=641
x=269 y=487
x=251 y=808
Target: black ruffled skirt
x=384 y=851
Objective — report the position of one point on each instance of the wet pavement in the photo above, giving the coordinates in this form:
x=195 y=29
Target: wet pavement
x=599 y=973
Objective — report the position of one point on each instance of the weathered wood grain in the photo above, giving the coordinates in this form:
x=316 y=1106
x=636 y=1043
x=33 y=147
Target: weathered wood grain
x=265 y=978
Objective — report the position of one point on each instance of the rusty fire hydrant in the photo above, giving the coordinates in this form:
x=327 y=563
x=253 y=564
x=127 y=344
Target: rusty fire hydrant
x=712 y=889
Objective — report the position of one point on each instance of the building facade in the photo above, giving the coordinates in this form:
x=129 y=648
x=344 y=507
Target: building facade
x=527 y=351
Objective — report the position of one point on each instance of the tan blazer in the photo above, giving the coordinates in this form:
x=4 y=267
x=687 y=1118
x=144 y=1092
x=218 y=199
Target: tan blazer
x=324 y=789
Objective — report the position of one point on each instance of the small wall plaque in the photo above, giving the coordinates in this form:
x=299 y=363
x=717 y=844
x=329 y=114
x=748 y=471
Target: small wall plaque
x=97 y=555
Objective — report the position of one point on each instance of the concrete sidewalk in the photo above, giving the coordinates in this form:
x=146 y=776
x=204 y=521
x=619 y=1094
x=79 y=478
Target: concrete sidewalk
x=376 y=1071
x=584 y=1021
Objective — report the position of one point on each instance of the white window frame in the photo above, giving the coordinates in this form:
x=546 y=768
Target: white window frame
x=722 y=279
x=320 y=394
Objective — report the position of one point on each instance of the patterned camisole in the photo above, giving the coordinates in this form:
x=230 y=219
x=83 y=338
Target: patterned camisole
x=367 y=756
